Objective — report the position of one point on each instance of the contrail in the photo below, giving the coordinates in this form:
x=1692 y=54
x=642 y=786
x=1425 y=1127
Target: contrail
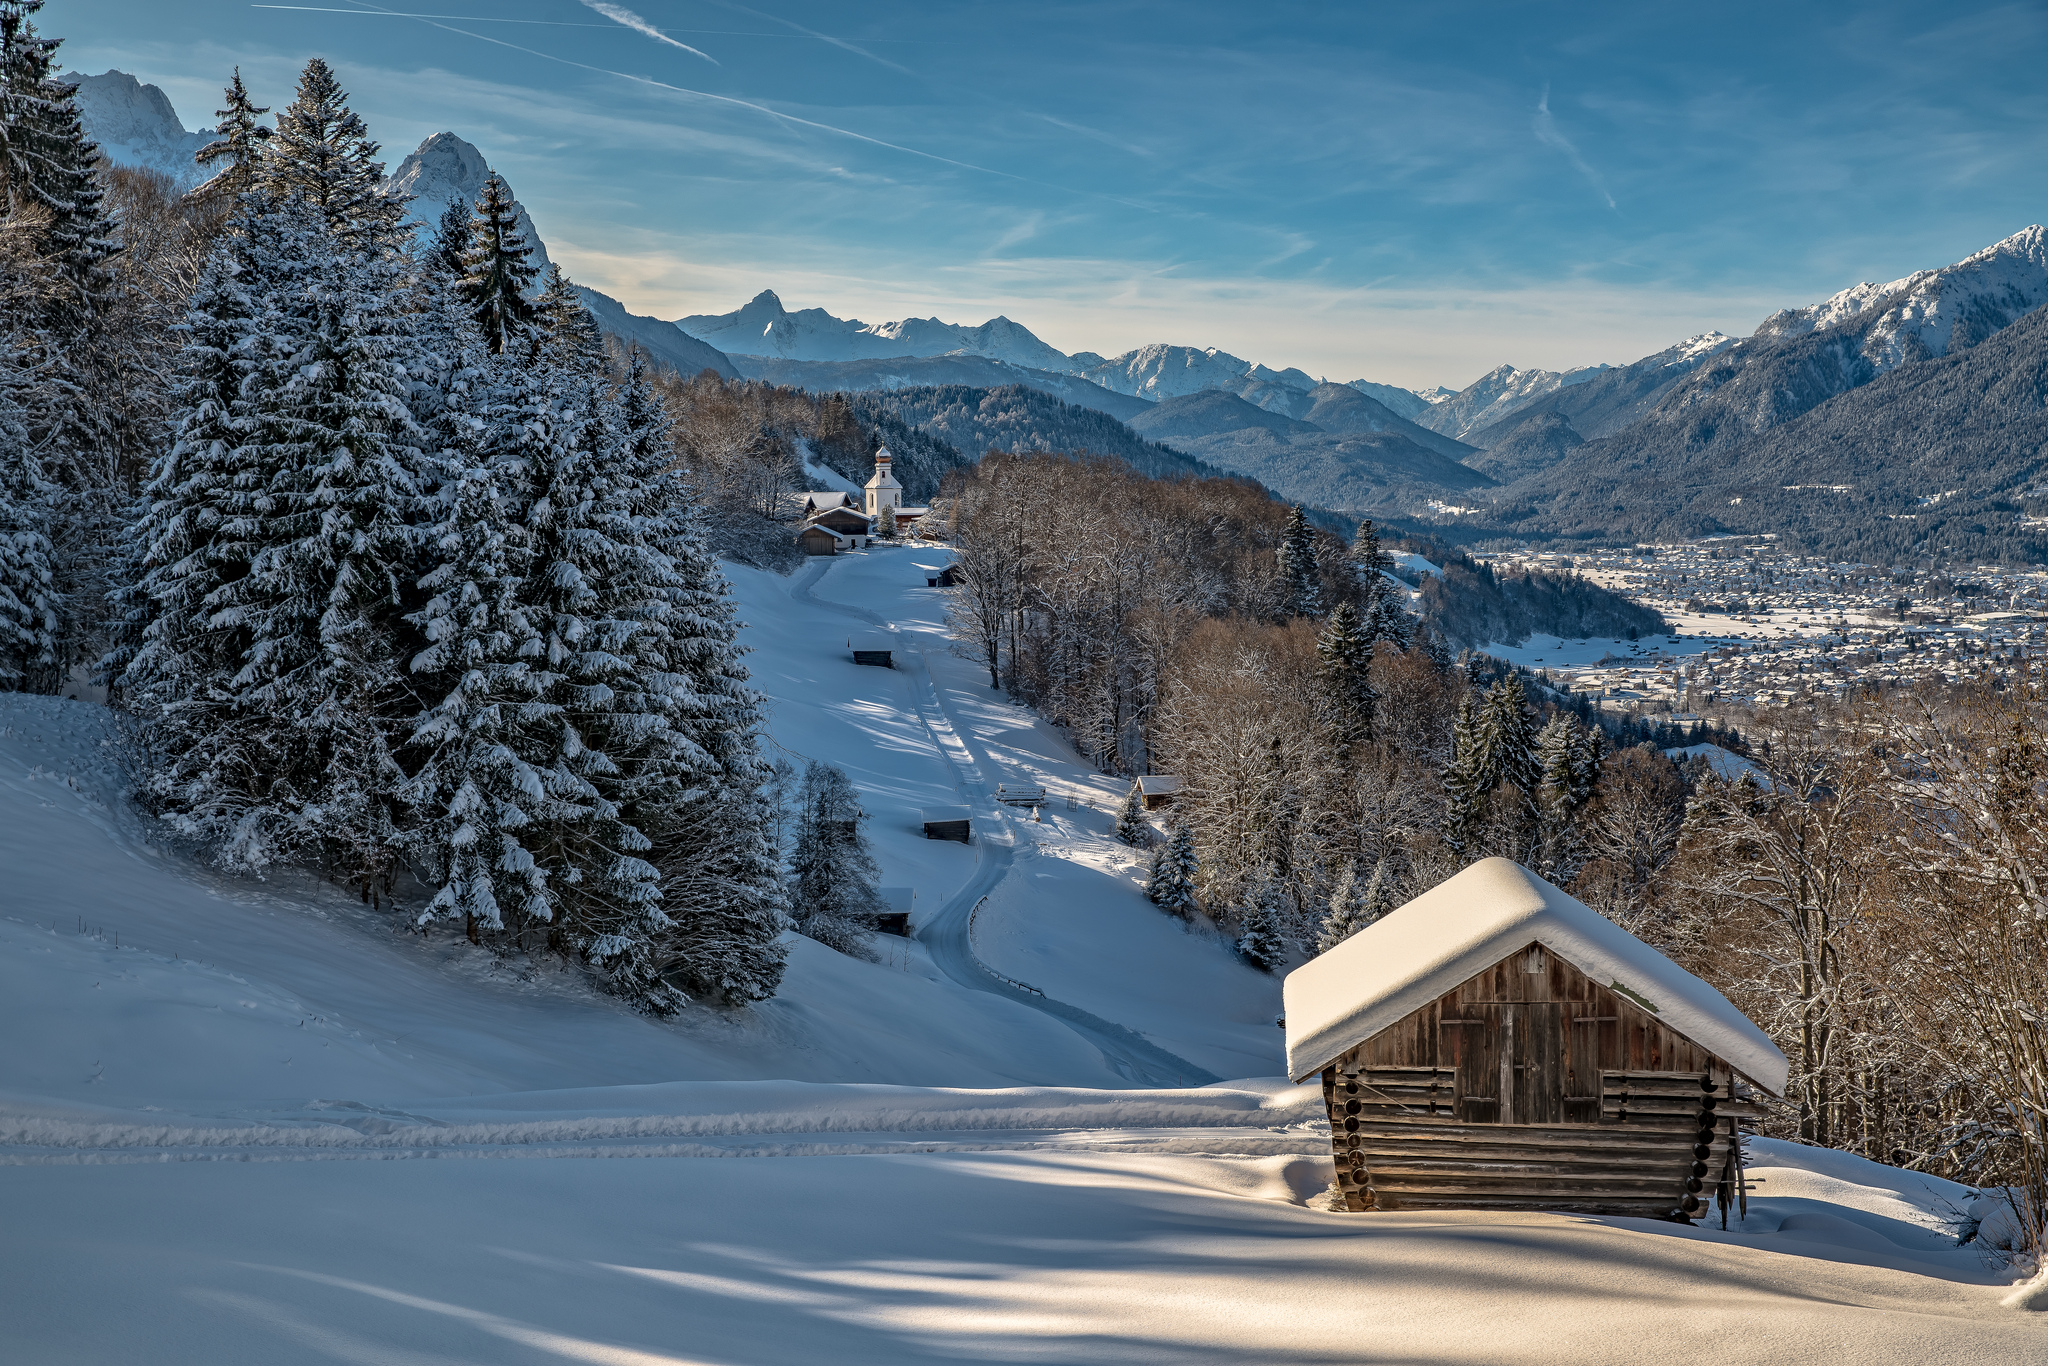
x=811 y=33
x=619 y=14
x=706 y=95
x=1547 y=134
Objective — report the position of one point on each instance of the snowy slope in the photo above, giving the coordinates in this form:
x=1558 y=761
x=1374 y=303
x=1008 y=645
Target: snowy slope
x=442 y=169
x=1160 y=371
x=249 y=1122
x=135 y=125
x=1980 y=294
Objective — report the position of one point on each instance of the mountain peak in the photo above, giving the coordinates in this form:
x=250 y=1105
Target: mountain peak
x=135 y=125
x=447 y=169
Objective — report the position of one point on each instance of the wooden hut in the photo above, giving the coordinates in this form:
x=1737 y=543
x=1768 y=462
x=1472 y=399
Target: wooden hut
x=872 y=647
x=1495 y=1044
x=896 y=920
x=818 y=540
x=1158 y=789
x=949 y=577
x=946 y=823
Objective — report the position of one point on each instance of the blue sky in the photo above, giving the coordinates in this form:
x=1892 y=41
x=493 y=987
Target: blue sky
x=1412 y=194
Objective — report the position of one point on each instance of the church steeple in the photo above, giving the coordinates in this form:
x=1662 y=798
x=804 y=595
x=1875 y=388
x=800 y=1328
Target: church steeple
x=883 y=495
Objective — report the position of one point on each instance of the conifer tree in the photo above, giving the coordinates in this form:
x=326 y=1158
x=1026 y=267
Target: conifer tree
x=573 y=336
x=1366 y=553
x=235 y=155
x=832 y=870
x=1563 y=788
x=1507 y=736
x=1346 y=659
x=496 y=272
x=1260 y=916
x=1171 y=883
x=1385 y=619
x=1465 y=777
x=306 y=538
x=49 y=169
x=451 y=239
x=476 y=796
x=1301 y=581
x=1346 y=915
x=322 y=152
x=1131 y=826
x=28 y=592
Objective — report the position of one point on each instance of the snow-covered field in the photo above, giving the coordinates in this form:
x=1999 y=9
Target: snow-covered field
x=253 y=1122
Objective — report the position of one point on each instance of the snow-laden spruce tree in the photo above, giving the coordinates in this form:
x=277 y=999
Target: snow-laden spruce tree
x=50 y=172
x=572 y=336
x=1260 y=916
x=476 y=796
x=498 y=272
x=1357 y=901
x=1301 y=579
x=1507 y=736
x=28 y=593
x=290 y=675
x=1384 y=619
x=321 y=152
x=1170 y=884
x=235 y=155
x=1465 y=779
x=832 y=872
x=1344 y=655
x=1567 y=761
x=1131 y=826
x=687 y=728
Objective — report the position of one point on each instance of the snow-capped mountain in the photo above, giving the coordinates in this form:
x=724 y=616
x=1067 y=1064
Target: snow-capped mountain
x=1922 y=312
x=1408 y=403
x=763 y=327
x=445 y=168
x=1496 y=394
x=135 y=125
x=1160 y=371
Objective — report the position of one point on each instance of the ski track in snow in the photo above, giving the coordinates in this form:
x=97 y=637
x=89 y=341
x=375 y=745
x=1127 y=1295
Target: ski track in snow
x=947 y=933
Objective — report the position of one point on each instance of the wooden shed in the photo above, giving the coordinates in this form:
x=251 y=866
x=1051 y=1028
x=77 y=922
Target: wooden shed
x=946 y=823
x=817 y=540
x=872 y=647
x=949 y=577
x=1496 y=1044
x=1158 y=789
x=896 y=920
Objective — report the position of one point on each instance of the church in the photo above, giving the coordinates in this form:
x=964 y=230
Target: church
x=834 y=522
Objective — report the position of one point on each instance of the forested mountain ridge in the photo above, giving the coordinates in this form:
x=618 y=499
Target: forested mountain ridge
x=1947 y=454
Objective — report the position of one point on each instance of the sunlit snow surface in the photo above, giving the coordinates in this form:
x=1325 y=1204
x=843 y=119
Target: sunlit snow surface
x=250 y=1121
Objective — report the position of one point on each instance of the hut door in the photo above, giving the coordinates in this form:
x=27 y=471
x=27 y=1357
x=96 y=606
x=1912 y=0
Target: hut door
x=1538 y=1062
x=1511 y=1053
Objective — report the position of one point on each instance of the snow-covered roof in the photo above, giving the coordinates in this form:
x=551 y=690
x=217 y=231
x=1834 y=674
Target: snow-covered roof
x=871 y=642
x=1158 y=784
x=819 y=500
x=1463 y=926
x=934 y=815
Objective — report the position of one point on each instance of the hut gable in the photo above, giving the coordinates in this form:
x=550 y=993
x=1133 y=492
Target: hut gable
x=1435 y=946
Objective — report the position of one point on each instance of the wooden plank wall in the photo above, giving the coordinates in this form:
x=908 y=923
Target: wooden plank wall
x=1532 y=1087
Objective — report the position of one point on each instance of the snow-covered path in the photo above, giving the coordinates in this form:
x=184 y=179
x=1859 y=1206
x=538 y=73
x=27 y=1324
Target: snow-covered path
x=947 y=933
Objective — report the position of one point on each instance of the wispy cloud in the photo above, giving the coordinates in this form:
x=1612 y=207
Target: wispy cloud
x=619 y=14
x=811 y=33
x=1547 y=133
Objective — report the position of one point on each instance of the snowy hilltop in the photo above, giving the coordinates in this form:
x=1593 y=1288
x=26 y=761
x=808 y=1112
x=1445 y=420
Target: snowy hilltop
x=135 y=125
x=1923 y=312
x=445 y=169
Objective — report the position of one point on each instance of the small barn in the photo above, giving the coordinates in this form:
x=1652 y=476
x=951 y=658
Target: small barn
x=847 y=522
x=817 y=540
x=896 y=919
x=873 y=647
x=1158 y=789
x=946 y=823
x=949 y=577
x=1496 y=1044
